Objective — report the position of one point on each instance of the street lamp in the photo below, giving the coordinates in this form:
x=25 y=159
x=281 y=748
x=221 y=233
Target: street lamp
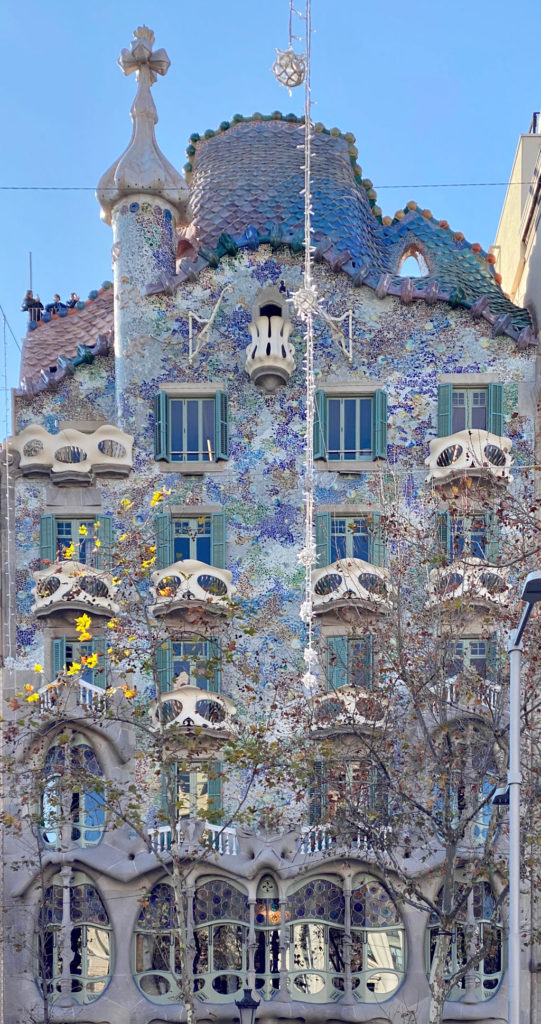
x=247 y=1007
x=531 y=593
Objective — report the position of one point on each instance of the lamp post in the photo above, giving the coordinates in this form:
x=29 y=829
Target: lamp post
x=247 y=1007
x=531 y=594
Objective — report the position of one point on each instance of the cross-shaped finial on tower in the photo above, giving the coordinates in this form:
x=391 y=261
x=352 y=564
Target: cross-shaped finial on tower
x=140 y=56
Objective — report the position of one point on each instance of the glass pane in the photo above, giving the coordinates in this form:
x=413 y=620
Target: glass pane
x=478 y=538
x=359 y=539
x=357 y=951
x=459 y=411
x=338 y=538
x=192 y=410
x=97 y=952
x=479 y=410
x=333 y=422
x=227 y=946
x=201 y=958
x=176 y=417
x=350 y=428
x=365 y=426
x=208 y=446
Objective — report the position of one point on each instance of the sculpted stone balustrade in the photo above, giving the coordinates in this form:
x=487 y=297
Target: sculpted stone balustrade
x=347 y=707
x=472 y=581
x=72 y=454
x=472 y=453
x=73 y=585
x=351 y=581
x=191 y=583
x=270 y=355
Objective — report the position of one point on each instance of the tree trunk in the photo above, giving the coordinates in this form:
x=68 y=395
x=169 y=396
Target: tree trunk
x=436 y=981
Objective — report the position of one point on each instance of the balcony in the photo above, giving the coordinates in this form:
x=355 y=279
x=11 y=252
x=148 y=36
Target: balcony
x=350 y=707
x=472 y=581
x=75 y=586
x=269 y=356
x=72 y=455
x=324 y=839
x=194 y=710
x=351 y=581
x=189 y=583
x=93 y=698
x=460 y=694
x=192 y=833
x=473 y=453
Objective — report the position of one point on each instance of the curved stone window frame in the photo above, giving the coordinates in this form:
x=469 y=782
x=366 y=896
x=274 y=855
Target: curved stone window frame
x=159 y=944
x=487 y=977
x=268 y=925
x=316 y=968
x=87 y=943
x=86 y=810
x=373 y=939
x=221 y=941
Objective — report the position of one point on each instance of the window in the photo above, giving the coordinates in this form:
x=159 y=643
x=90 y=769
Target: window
x=91 y=656
x=342 y=791
x=85 y=944
x=474 y=535
x=349 y=536
x=378 y=949
x=190 y=536
x=72 y=768
x=221 y=917
x=87 y=540
x=349 y=662
x=268 y=953
x=199 y=659
x=470 y=408
x=474 y=655
x=478 y=923
x=191 y=429
x=157 y=947
x=199 y=790
x=350 y=428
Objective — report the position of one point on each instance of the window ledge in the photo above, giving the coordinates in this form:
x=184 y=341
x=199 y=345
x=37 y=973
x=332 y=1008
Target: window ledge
x=191 y=468
x=353 y=467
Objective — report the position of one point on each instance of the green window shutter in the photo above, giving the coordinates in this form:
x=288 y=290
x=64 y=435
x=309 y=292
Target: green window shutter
x=217 y=539
x=492 y=658
x=59 y=655
x=492 y=545
x=444 y=533
x=164 y=666
x=164 y=540
x=378 y=550
x=445 y=409
x=379 y=425
x=99 y=674
x=337 y=662
x=47 y=539
x=495 y=409
x=318 y=794
x=104 y=533
x=368 y=660
x=215 y=788
x=320 y=425
x=214 y=683
x=221 y=426
x=161 y=426
x=323 y=539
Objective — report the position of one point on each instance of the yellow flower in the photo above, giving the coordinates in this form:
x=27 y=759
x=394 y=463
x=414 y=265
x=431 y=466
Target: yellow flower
x=83 y=622
x=113 y=623
x=123 y=536
x=131 y=639
x=69 y=551
x=126 y=503
x=38 y=668
x=32 y=698
x=152 y=548
x=74 y=668
x=148 y=562
x=97 y=543
x=156 y=498
x=29 y=688
x=83 y=530
x=92 y=660
x=116 y=580
x=85 y=636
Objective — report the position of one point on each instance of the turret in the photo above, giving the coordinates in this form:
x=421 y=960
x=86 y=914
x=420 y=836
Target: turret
x=144 y=199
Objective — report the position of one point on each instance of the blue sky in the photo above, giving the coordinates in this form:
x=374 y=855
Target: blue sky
x=434 y=93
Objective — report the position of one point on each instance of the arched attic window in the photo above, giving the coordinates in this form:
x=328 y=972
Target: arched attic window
x=412 y=263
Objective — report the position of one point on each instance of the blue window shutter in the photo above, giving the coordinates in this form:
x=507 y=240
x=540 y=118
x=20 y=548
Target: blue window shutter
x=379 y=420
x=368 y=660
x=323 y=539
x=318 y=794
x=337 y=662
x=377 y=540
x=215 y=787
x=492 y=545
x=444 y=533
x=492 y=658
x=164 y=540
x=164 y=666
x=104 y=533
x=445 y=410
x=221 y=426
x=99 y=674
x=320 y=425
x=59 y=655
x=217 y=539
x=495 y=409
x=214 y=682
x=47 y=539
x=161 y=426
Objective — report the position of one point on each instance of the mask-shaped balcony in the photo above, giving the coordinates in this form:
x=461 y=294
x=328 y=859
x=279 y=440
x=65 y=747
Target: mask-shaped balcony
x=347 y=708
x=189 y=583
x=269 y=356
x=474 y=453
x=350 y=581
x=75 y=586
x=193 y=710
x=72 y=454
x=472 y=581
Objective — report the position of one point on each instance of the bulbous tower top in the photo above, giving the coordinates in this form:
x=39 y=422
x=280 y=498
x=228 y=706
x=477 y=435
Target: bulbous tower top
x=142 y=166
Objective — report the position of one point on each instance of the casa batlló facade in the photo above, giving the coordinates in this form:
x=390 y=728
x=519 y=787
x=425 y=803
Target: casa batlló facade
x=184 y=377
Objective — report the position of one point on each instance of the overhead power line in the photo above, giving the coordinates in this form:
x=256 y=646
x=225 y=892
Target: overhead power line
x=112 y=188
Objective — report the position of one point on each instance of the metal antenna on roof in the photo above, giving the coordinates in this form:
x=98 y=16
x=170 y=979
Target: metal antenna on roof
x=30 y=270
x=9 y=616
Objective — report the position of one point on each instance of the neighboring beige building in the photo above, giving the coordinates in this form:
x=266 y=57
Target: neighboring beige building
x=517 y=248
